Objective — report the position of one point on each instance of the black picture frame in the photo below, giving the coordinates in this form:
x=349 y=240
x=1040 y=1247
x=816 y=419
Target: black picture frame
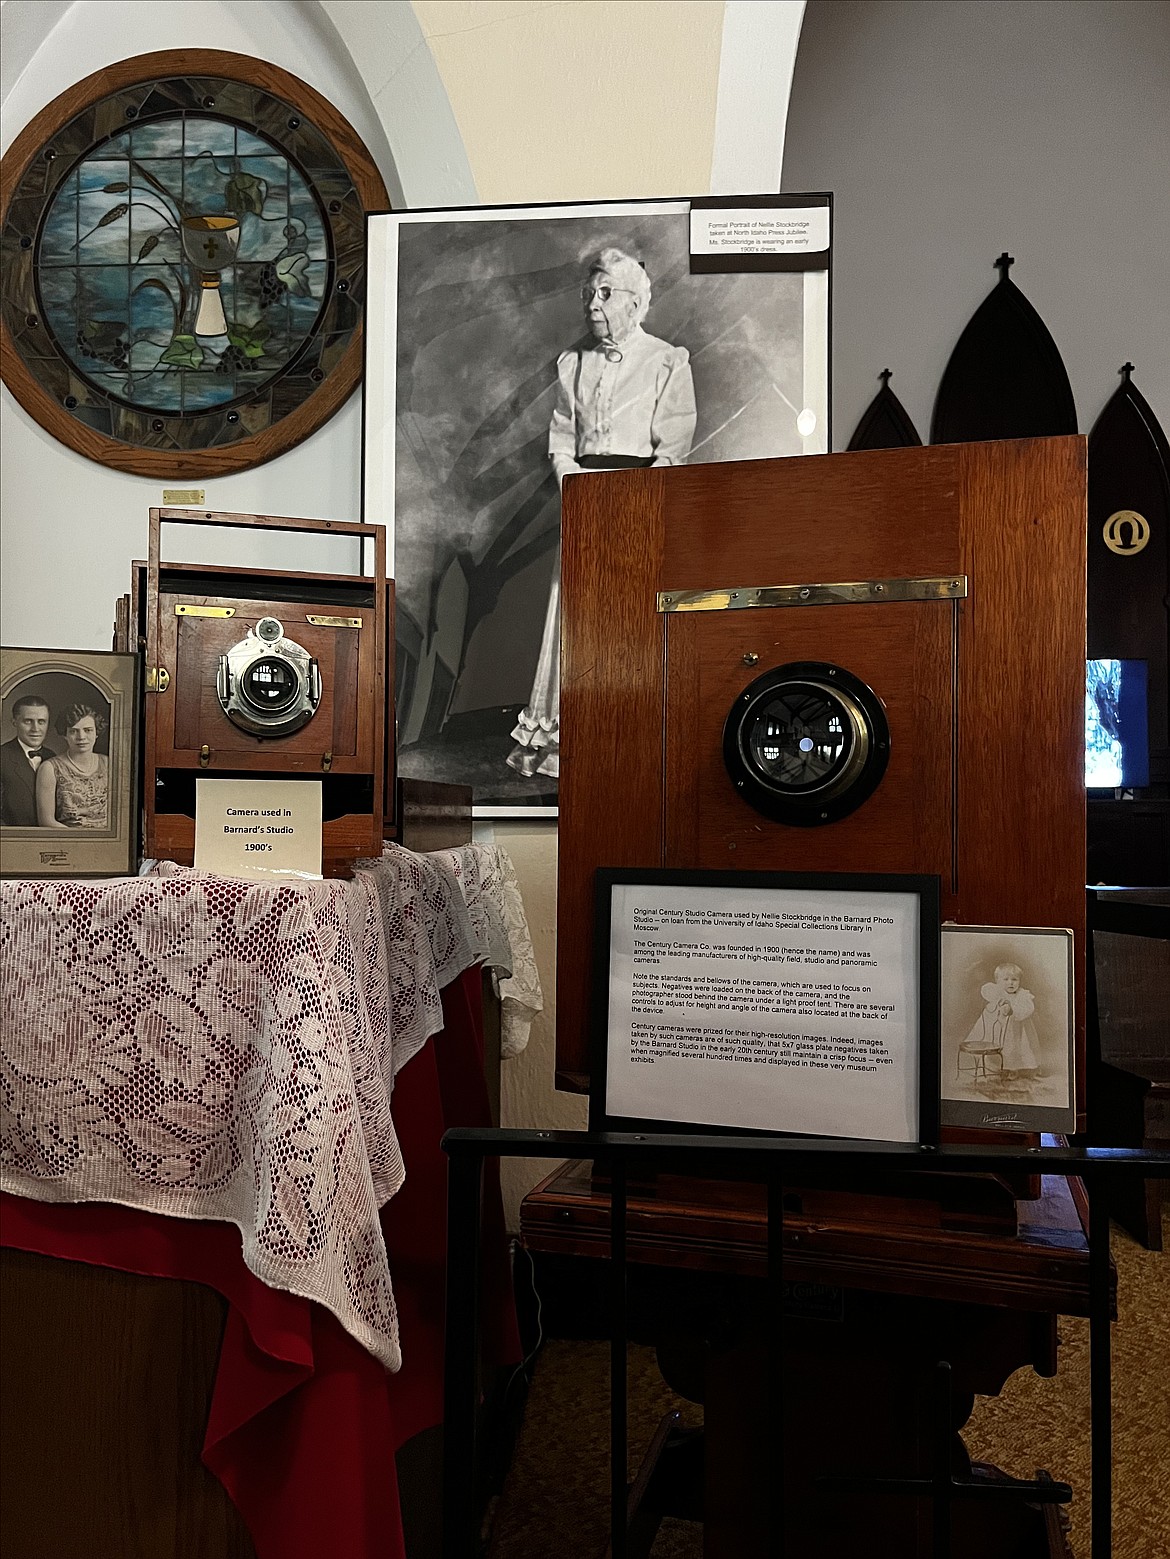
x=925 y=889
x=109 y=683
x=428 y=680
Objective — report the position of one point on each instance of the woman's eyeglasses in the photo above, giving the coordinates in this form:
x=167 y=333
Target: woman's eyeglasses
x=602 y=294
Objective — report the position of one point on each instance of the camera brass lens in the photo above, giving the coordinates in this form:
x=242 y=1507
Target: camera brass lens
x=806 y=743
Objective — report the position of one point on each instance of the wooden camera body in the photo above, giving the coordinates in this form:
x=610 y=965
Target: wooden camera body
x=947 y=583
x=257 y=672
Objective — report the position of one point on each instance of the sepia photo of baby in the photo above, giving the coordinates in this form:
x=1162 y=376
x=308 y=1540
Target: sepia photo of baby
x=1007 y=1027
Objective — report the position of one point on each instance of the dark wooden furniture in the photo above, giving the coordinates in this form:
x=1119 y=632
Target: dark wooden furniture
x=1129 y=586
x=431 y=815
x=885 y=422
x=871 y=1308
x=1129 y=1039
x=1005 y=377
x=186 y=731
x=983 y=691
x=106 y=1398
x=1134 y=1096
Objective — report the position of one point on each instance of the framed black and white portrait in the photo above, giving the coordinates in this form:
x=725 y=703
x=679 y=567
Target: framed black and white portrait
x=509 y=346
x=1008 y=1028
x=68 y=763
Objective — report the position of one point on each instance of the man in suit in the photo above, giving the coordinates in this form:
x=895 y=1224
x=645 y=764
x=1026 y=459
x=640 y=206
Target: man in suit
x=20 y=759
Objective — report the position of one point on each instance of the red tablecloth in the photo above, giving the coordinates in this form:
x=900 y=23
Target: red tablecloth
x=304 y=1423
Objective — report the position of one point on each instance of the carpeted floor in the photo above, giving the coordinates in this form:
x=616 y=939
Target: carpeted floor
x=555 y=1501
x=1046 y=1422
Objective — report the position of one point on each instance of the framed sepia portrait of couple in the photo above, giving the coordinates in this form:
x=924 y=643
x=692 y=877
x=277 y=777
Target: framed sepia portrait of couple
x=68 y=763
x=508 y=347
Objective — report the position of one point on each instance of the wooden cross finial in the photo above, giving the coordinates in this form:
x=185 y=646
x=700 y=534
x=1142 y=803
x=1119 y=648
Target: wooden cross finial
x=1004 y=263
x=1126 y=369
x=885 y=376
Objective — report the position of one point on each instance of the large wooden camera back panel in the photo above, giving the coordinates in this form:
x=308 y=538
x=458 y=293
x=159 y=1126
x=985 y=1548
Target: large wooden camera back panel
x=187 y=732
x=984 y=694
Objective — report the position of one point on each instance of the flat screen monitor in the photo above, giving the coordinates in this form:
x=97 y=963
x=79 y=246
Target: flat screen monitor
x=1117 y=732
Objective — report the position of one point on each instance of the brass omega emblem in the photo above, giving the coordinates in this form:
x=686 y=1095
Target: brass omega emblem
x=1126 y=532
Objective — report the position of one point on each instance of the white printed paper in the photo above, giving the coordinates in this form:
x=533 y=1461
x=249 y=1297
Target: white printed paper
x=759 y=229
x=258 y=828
x=770 y=1009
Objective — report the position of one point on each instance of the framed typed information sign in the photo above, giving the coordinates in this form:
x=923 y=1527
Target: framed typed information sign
x=793 y=1002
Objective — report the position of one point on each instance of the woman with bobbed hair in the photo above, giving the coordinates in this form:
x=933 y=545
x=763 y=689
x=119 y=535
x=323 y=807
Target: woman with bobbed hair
x=73 y=787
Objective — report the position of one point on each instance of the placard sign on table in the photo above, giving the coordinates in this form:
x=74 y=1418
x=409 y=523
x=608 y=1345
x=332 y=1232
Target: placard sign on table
x=765 y=1001
x=260 y=828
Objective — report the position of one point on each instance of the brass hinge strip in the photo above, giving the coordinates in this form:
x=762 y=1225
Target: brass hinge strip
x=947 y=587
x=185 y=609
x=333 y=622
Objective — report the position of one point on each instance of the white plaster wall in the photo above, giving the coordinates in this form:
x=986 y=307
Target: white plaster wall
x=588 y=101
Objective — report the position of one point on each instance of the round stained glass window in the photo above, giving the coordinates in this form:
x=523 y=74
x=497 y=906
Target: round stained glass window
x=184 y=264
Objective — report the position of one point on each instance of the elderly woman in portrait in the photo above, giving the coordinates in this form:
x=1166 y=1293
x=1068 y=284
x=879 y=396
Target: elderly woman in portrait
x=625 y=398
x=72 y=787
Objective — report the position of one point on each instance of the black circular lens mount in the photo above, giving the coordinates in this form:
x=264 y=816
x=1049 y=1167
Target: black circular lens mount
x=806 y=743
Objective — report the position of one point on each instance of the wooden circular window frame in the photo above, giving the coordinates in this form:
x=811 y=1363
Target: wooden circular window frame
x=337 y=386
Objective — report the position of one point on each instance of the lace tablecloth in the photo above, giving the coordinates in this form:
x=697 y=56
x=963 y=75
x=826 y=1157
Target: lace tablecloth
x=205 y=1047
x=444 y=911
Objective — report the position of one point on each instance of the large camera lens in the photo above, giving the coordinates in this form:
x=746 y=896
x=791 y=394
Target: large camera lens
x=806 y=743
x=800 y=738
x=270 y=684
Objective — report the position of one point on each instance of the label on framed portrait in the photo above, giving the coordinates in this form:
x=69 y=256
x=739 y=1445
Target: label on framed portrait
x=258 y=828
x=1008 y=1028
x=760 y=233
x=788 y=1002
x=68 y=763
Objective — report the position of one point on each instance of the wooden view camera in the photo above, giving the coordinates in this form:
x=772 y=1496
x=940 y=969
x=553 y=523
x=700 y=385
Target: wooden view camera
x=257 y=672
x=864 y=662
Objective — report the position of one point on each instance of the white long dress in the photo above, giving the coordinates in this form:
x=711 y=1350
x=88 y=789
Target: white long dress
x=636 y=401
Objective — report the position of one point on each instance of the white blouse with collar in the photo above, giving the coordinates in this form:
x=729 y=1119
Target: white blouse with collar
x=641 y=405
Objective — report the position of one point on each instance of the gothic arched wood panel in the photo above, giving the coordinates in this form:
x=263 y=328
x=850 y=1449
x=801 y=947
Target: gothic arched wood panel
x=1005 y=377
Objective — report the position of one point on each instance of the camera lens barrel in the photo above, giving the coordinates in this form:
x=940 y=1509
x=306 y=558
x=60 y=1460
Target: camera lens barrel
x=806 y=743
x=267 y=684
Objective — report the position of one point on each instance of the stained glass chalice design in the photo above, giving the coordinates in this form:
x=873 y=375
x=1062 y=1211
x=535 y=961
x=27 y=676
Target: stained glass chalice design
x=210 y=244
x=184 y=267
